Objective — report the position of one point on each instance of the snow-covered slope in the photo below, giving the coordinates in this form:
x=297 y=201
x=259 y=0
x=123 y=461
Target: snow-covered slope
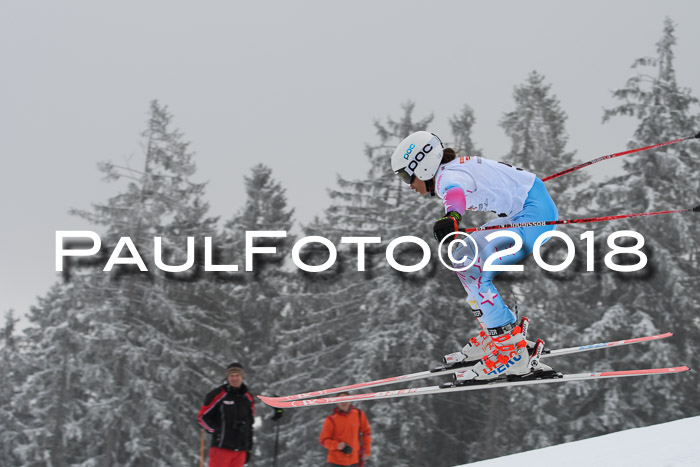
x=667 y=445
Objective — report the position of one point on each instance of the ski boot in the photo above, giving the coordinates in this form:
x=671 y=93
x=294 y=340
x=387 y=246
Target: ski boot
x=478 y=347
x=474 y=350
x=509 y=358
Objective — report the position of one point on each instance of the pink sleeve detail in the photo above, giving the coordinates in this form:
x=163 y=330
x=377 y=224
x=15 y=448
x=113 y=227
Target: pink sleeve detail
x=455 y=200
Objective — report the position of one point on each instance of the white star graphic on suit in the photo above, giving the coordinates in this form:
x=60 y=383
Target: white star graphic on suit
x=488 y=297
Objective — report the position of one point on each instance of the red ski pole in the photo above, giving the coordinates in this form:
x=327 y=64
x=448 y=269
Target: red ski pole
x=578 y=221
x=618 y=154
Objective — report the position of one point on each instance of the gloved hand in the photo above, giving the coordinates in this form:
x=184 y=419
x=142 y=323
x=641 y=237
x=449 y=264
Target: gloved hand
x=277 y=415
x=248 y=456
x=347 y=449
x=446 y=225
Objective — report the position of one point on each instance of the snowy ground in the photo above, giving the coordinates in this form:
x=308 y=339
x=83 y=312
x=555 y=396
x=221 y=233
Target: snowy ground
x=667 y=445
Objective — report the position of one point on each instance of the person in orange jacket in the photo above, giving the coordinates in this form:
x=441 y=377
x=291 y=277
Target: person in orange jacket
x=347 y=435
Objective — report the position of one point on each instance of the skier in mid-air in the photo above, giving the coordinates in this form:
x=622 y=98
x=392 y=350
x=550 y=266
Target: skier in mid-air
x=479 y=184
x=499 y=355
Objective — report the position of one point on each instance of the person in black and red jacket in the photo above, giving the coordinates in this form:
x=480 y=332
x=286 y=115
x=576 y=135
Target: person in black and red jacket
x=227 y=413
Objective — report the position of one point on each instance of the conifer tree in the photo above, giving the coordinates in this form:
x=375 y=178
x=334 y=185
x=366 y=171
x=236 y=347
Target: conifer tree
x=616 y=305
x=50 y=398
x=537 y=129
x=265 y=209
x=256 y=301
x=661 y=296
x=126 y=350
x=461 y=125
x=12 y=372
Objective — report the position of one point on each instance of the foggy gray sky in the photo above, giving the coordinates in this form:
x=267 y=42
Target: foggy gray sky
x=296 y=85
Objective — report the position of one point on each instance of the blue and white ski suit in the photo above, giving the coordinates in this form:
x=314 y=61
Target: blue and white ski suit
x=517 y=196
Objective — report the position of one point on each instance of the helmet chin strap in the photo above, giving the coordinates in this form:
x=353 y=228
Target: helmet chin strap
x=430 y=186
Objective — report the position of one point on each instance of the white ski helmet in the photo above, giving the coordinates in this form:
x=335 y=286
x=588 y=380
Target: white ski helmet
x=418 y=155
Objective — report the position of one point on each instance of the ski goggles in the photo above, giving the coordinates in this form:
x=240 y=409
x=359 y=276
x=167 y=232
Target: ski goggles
x=405 y=176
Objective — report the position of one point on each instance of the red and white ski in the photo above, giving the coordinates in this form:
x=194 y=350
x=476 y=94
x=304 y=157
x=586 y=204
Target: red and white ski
x=449 y=371
x=558 y=378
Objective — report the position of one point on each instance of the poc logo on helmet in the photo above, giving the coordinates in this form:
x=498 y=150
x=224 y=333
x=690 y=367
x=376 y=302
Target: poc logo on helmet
x=419 y=157
x=408 y=151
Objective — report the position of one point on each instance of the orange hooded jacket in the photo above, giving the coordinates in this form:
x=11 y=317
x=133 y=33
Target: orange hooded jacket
x=346 y=427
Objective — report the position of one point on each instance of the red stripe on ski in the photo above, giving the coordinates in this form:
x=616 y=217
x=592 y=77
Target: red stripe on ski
x=349 y=387
x=642 y=339
x=476 y=387
x=430 y=374
x=653 y=371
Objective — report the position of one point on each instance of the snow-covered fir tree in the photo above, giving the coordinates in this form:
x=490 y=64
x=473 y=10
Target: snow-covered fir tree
x=13 y=370
x=51 y=400
x=124 y=351
x=660 y=297
x=255 y=302
x=664 y=293
x=145 y=320
x=537 y=130
x=461 y=125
